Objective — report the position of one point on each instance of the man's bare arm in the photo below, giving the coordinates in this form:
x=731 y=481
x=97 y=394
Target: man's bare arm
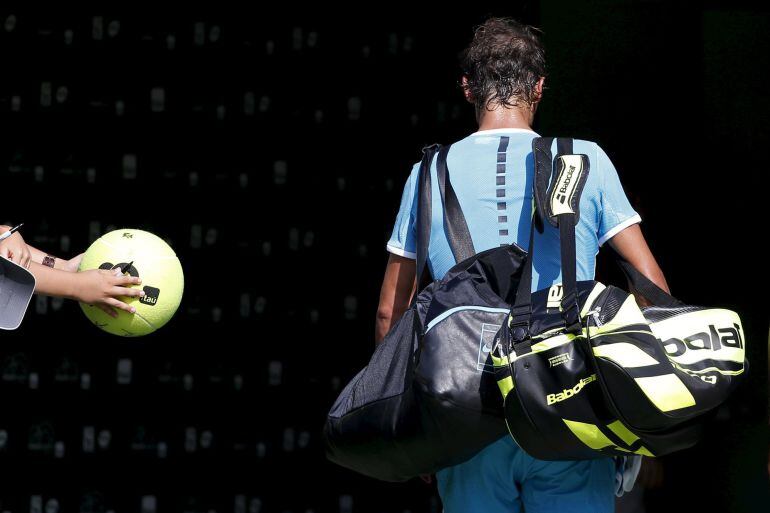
x=398 y=285
x=631 y=245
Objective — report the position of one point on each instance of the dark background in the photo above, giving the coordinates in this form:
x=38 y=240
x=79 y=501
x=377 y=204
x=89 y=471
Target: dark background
x=270 y=150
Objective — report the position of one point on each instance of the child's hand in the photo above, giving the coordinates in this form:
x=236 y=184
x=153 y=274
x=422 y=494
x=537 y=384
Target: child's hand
x=15 y=249
x=100 y=288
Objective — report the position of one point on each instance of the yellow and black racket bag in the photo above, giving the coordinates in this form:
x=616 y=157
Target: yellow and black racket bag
x=587 y=373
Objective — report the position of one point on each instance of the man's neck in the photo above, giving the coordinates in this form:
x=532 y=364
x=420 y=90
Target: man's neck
x=506 y=117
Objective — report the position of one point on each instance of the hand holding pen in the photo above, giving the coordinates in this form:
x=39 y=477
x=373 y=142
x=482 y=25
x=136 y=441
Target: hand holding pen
x=13 y=247
x=10 y=232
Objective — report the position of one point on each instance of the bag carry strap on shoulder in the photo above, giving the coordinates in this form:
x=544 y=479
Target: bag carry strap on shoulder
x=541 y=152
x=570 y=173
x=424 y=212
x=455 y=226
x=559 y=205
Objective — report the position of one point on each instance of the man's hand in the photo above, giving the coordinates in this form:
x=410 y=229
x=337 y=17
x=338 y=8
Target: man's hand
x=651 y=473
x=14 y=248
x=101 y=288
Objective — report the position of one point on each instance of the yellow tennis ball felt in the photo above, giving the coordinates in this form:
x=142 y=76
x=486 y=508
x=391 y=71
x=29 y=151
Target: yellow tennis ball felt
x=152 y=260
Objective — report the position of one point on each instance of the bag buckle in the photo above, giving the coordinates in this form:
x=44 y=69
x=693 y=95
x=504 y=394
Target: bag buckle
x=519 y=330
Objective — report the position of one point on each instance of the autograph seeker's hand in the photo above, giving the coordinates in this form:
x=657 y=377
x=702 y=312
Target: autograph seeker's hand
x=14 y=248
x=101 y=288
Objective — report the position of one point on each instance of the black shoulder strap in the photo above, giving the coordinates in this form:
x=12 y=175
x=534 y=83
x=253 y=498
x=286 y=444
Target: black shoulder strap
x=570 y=175
x=424 y=212
x=521 y=310
x=541 y=152
x=558 y=204
x=455 y=226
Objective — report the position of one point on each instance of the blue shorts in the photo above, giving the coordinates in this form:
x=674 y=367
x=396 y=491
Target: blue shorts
x=502 y=478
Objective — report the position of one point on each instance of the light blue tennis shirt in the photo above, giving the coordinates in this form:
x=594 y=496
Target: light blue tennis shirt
x=492 y=172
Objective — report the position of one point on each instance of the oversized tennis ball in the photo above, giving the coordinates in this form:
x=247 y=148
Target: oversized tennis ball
x=144 y=255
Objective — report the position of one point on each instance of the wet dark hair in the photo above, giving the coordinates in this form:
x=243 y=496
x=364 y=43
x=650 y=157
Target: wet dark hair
x=503 y=63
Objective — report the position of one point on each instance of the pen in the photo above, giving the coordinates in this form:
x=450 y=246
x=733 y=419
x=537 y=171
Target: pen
x=119 y=271
x=10 y=232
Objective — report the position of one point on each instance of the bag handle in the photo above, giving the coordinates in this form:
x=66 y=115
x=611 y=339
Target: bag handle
x=646 y=287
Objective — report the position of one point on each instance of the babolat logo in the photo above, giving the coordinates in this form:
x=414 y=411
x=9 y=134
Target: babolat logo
x=563 y=189
x=565 y=186
x=714 y=339
x=569 y=392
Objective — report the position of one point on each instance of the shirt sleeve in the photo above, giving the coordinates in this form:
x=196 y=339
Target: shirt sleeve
x=616 y=214
x=403 y=240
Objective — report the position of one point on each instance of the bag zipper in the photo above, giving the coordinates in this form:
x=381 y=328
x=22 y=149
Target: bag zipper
x=597 y=309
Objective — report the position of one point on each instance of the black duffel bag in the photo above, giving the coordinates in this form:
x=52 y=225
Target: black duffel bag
x=428 y=398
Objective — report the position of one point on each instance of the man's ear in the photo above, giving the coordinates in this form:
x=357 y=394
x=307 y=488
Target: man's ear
x=539 y=90
x=466 y=89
